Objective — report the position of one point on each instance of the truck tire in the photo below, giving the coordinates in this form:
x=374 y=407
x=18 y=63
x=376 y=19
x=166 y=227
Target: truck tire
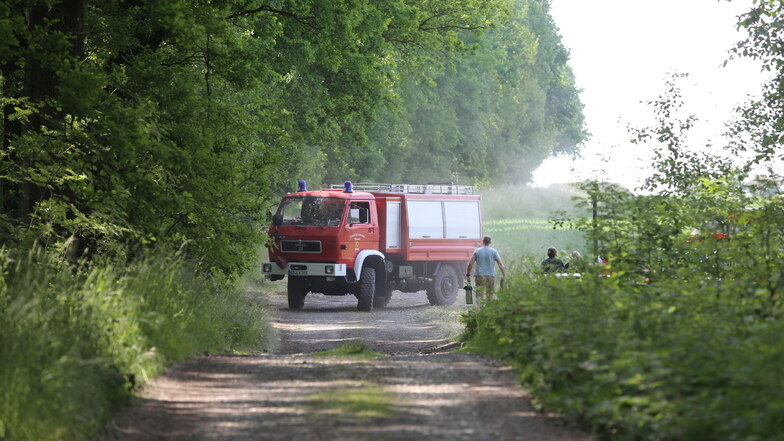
x=382 y=298
x=445 y=285
x=367 y=289
x=297 y=290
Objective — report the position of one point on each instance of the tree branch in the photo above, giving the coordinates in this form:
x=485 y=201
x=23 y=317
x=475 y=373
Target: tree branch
x=423 y=26
x=434 y=16
x=307 y=21
x=451 y=28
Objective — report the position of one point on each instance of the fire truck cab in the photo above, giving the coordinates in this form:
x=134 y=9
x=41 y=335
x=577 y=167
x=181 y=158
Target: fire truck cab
x=372 y=239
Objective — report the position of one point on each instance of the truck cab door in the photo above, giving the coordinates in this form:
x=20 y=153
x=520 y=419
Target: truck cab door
x=362 y=226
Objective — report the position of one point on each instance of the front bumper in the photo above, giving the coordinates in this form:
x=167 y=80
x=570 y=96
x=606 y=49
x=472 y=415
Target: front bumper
x=305 y=269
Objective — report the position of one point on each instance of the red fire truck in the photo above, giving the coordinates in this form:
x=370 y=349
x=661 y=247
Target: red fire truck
x=372 y=239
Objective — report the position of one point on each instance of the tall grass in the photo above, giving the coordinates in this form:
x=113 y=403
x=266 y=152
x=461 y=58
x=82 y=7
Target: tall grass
x=517 y=239
x=73 y=339
x=513 y=201
x=517 y=217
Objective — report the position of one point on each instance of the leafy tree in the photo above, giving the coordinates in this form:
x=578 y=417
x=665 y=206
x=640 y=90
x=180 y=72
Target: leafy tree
x=493 y=114
x=762 y=121
x=139 y=121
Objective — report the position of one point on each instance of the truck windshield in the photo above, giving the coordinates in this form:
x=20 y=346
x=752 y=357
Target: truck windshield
x=312 y=211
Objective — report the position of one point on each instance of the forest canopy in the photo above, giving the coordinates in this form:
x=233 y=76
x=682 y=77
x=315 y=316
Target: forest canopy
x=148 y=121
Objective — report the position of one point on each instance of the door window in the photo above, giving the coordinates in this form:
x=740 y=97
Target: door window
x=359 y=213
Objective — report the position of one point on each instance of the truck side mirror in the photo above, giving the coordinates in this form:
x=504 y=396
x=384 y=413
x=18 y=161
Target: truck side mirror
x=277 y=220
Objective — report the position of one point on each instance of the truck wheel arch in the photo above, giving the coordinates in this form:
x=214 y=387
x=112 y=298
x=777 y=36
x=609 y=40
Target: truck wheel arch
x=363 y=255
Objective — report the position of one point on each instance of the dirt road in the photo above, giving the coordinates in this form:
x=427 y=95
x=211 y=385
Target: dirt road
x=419 y=391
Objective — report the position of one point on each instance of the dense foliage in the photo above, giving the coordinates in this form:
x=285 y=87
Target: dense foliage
x=74 y=341
x=145 y=121
x=680 y=359
x=490 y=116
x=678 y=335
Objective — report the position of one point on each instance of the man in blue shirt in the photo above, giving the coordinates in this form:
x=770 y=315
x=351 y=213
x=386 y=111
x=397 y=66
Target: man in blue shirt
x=485 y=259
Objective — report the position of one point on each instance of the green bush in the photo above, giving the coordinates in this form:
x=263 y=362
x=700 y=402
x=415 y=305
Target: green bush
x=73 y=339
x=682 y=359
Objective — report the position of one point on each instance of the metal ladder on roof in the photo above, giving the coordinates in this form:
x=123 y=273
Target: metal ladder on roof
x=442 y=189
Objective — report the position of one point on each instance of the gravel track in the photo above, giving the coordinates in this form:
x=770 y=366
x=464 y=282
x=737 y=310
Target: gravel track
x=429 y=393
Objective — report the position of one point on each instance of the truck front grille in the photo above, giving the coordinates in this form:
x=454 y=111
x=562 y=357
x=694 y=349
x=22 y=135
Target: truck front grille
x=301 y=246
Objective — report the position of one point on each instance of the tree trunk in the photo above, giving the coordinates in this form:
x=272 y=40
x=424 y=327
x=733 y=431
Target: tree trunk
x=41 y=79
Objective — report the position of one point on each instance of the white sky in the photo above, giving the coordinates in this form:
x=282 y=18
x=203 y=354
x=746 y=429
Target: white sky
x=622 y=51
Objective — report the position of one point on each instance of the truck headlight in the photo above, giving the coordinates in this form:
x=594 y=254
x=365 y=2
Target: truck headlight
x=266 y=268
x=329 y=269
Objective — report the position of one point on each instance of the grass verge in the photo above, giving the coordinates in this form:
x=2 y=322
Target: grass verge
x=352 y=349
x=363 y=401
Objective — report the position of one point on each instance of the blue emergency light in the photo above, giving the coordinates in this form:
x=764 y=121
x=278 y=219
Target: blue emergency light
x=348 y=187
x=302 y=186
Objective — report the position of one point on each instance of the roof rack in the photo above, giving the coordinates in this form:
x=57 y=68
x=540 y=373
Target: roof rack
x=411 y=188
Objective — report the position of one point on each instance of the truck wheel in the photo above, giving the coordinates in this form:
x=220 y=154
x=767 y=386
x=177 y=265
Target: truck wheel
x=445 y=286
x=367 y=289
x=297 y=290
x=383 y=297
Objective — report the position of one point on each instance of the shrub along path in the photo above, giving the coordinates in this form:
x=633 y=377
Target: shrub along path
x=415 y=391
